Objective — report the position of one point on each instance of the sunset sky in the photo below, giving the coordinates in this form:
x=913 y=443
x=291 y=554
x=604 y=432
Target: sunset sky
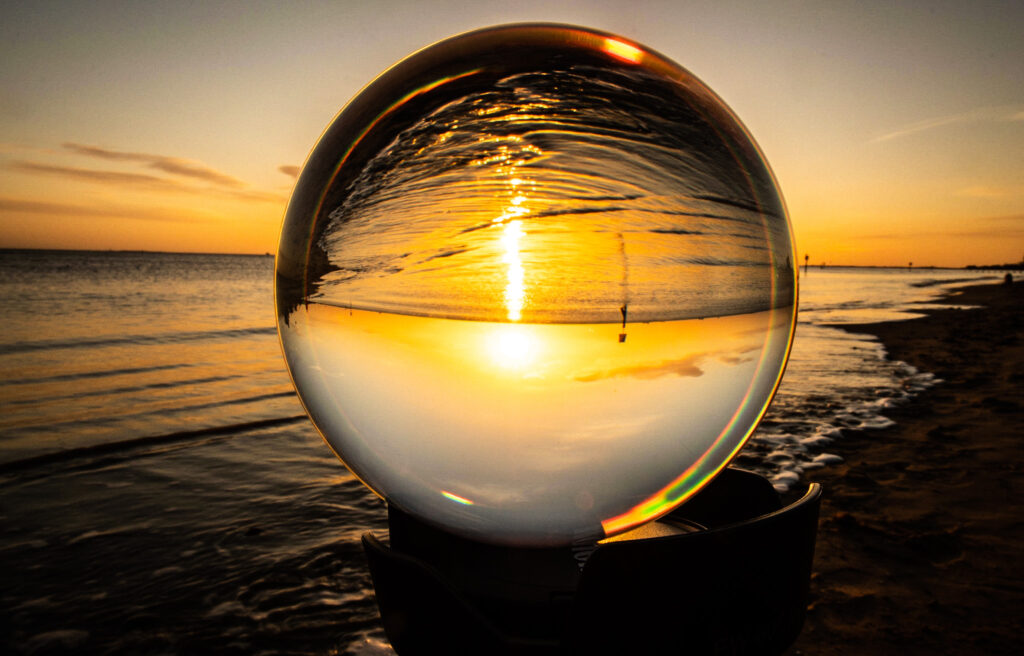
x=896 y=132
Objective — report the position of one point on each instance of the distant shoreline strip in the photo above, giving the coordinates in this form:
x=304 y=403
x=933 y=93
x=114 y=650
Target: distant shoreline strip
x=152 y=440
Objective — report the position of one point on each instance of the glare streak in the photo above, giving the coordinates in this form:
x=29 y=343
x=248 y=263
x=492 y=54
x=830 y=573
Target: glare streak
x=456 y=498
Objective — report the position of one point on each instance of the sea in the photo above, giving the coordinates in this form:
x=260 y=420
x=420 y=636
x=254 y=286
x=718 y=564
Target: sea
x=162 y=490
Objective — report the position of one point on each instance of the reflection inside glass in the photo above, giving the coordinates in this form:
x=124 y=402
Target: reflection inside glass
x=535 y=285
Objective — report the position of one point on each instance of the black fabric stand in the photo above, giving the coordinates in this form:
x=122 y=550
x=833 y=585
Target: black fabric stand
x=736 y=583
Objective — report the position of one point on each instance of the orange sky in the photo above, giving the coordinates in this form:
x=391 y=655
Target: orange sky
x=896 y=133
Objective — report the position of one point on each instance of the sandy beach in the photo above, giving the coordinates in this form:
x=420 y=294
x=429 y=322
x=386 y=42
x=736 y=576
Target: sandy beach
x=921 y=530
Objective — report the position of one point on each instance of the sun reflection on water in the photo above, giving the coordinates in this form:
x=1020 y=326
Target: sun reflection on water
x=513 y=347
x=515 y=292
x=511 y=245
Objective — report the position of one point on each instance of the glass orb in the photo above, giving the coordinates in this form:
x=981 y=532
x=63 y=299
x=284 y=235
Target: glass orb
x=535 y=285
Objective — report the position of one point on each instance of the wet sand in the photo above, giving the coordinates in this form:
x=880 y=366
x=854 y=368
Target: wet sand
x=921 y=540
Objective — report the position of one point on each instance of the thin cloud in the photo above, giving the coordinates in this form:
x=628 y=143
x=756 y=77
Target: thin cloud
x=142 y=181
x=989 y=191
x=291 y=171
x=1006 y=233
x=23 y=150
x=69 y=210
x=734 y=359
x=1005 y=226
x=682 y=367
x=260 y=196
x=103 y=177
x=1013 y=219
x=173 y=165
x=982 y=114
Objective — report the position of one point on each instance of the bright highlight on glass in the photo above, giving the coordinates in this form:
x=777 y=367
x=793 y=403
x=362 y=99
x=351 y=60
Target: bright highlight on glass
x=623 y=50
x=535 y=285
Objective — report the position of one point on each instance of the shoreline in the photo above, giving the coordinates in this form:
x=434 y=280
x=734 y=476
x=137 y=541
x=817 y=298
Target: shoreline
x=921 y=527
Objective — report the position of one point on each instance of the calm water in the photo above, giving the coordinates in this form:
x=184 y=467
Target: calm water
x=574 y=171
x=104 y=347
x=235 y=529
x=517 y=158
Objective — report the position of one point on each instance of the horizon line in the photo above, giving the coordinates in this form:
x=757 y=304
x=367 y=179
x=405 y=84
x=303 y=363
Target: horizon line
x=270 y=254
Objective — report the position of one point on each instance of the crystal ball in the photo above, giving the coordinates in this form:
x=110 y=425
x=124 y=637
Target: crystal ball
x=536 y=285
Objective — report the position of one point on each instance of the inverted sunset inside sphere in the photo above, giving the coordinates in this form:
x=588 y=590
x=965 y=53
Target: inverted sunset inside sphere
x=535 y=285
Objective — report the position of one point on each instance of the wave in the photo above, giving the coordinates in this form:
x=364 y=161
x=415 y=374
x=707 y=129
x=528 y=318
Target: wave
x=130 y=388
x=566 y=191
x=147 y=441
x=162 y=338
x=947 y=281
x=57 y=378
x=81 y=422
